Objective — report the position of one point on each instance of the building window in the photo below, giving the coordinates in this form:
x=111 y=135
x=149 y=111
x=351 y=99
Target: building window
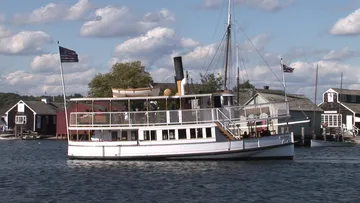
x=353 y=98
x=331 y=120
x=20 y=119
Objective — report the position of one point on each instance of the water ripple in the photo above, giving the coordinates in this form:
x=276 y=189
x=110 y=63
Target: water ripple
x=32 y=171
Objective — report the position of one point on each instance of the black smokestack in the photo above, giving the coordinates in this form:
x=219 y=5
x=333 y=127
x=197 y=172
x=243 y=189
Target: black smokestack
x=179 y=72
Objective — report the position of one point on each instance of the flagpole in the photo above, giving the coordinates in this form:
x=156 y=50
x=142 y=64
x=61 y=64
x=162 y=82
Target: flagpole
x=283 y=77
x=64 y=95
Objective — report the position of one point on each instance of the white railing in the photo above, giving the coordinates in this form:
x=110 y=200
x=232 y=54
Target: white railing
x=228 y=124
x=173 y=117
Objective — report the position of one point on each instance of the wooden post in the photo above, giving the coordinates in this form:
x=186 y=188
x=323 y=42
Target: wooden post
x=302 y=136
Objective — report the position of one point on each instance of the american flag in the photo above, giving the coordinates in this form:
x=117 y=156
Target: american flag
x=287 y=69
x=68 y=55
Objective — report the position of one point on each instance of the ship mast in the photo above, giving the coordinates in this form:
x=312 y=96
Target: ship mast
x=228 y=32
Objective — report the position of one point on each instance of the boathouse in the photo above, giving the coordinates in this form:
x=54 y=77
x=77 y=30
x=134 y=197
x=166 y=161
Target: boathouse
x=341 y=109
x=300 y=108
x=35 y=116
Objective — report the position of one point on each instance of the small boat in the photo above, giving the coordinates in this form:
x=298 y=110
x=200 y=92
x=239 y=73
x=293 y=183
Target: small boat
x=8 y=136
x=325 y=143
x=31 y=137
x=135 y=92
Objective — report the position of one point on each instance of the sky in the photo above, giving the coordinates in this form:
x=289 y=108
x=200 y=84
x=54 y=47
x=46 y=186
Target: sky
x=305 y=33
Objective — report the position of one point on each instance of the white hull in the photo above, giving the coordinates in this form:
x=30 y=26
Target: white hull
x=273 y=147
x=140 y=92
x=322 y=143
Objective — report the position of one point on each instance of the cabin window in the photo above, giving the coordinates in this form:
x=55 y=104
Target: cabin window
x=150 y=135
x=168 y=134
x=124 y=135
x=182 y=133
x=165 y=135
x=199 y=133
x=146 y=135
x=54 y=120
x=134 y=135
x=47 y=120
x=208 y=132
x=192 y=133
x=114 y=135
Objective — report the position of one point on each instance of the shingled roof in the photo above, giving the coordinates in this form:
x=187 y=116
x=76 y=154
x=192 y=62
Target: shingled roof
x=41 y=108
x=296 y=102
x=346 y=91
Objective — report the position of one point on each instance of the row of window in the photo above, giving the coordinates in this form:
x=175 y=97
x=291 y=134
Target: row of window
x=170 y=134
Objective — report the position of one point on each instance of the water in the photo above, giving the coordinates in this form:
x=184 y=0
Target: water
x=33 y=171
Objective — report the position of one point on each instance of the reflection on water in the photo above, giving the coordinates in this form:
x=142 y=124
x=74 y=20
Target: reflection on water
x=177 y=167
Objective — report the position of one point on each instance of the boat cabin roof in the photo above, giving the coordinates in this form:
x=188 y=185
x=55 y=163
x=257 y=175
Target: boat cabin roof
x=151 y=97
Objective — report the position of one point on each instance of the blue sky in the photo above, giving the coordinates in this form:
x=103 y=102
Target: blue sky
x=303 y=32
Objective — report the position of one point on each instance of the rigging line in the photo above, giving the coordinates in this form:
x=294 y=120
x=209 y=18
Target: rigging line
x=215 y=31
x=267 y=63
x=214 y=54
x=252 y=44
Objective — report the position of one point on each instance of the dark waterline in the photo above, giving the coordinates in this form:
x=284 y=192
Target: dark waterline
x=33 y=171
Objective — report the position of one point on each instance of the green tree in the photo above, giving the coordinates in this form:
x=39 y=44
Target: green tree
x=246 y=85
x=211 y=83
x=122 y=75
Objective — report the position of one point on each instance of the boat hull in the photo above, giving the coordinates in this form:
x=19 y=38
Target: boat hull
x=232 y=150
x=323 y=143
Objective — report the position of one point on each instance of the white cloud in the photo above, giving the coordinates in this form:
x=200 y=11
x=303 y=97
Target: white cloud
x=25 y=42
x=349 y=25
x=2 y=18
x=49 y=64
x=53 y=12
x=259 y=42
x=340 y=55
x=268 y=5
x=36 y=83
x=4 y=32
x=121 y=21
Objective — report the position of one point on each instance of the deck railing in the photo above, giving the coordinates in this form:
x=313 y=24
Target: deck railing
x=171 y=117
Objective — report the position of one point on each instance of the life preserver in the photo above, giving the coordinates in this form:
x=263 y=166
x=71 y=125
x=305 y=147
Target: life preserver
x=325 y=125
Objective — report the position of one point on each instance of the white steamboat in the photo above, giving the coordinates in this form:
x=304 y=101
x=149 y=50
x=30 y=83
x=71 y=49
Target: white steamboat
x=185 y=126
x=199 y=126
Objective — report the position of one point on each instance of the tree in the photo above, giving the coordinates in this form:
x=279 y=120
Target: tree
x=211 y=83
x=122 y=75
x=246 y=84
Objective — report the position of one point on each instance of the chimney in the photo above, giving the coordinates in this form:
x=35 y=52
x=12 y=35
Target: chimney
x=44 y=100
x=266 y=87
x=179 y=73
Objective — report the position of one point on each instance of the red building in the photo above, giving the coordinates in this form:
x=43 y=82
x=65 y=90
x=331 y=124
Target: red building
x=81 y=107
